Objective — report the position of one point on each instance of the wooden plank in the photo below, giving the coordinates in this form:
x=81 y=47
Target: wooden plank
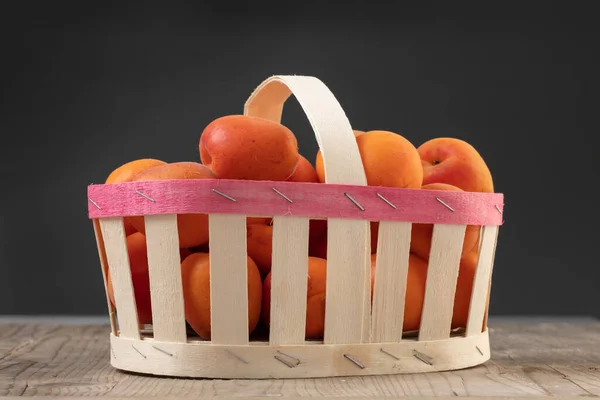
x=442 y=275
x=544 y=358
x=481 y=281
x=104 y=269
x=347 y=260
x=288 y=280
x=113 y=232
x=389 y=289
x=164 y=265
x=228 y=279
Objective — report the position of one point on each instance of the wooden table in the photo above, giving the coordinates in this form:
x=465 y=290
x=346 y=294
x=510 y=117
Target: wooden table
x=530 y=357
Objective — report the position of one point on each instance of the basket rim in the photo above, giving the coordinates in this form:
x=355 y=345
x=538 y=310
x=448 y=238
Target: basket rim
x=299 y=199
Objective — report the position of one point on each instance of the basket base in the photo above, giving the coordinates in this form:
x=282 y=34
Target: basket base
x=261 y=361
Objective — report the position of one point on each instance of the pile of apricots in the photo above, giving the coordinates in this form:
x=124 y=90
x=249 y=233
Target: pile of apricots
x=243 y=147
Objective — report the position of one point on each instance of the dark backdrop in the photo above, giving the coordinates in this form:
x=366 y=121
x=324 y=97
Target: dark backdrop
x=88 y=87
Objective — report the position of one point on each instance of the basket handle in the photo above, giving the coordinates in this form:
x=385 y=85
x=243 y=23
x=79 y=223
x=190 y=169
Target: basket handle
x=347 y=308
x=341 y=158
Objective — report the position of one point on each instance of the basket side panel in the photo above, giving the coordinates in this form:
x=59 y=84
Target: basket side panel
x=389 y=288
x=228 y=279
x=481 y=282
x=104 y=266
x=442 y=275
x=113 y=232
x=288 y=280
x=164 y=266
x=348 y=266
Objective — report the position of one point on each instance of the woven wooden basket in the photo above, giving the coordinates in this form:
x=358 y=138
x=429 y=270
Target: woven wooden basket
x=359 y=338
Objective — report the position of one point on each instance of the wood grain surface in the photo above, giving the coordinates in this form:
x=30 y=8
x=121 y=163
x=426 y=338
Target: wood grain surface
x=530 y=358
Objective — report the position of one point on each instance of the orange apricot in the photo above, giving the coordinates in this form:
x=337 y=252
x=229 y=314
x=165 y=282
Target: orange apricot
x=244 y=147
x=259 y=241
x=195 y=272
x=315 y=298
x=421 y=234
x=317 y=238
x=192 y=228
x=125 y=173
x=140 y=276
x=455 y=162
x=304 y=172
x=464 y=289
x=415 y=290
x=388 y=159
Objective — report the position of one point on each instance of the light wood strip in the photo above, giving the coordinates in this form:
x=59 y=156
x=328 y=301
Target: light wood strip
x=347 y=266
x=228 y=279
x=442 y=274
x=164 y=265
x=390 y=280
x=104 y=269
x=481 y=282
x=113 y=232
x=288 y=280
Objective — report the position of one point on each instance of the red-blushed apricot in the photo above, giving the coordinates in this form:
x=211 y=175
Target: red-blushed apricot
x=304 y=172
x=455 y=162
x=244 y=147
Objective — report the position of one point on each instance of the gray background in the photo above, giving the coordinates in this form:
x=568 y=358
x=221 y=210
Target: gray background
x=89 y=87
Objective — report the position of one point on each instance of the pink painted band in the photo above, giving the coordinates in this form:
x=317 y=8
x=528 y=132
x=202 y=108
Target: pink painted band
x=314 y=200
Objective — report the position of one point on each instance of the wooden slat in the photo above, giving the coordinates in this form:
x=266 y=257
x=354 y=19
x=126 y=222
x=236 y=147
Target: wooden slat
x=104 y=268
x=390 y=280
x=113 y=232
x=228 y=279
x=367 y=303
x=442 y=275
x=347 y=267
x=288 y=280
x=164 y=265
x=481 y=282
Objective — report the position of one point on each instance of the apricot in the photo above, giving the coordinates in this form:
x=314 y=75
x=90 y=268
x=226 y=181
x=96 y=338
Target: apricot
x=140 y=276
x=203 y=248
x=315 y=298
x=244 y=147
x=421 y=234
x=464 y=289
x=192 y=228
x=129 y=229
x=317 y=242
x=259 y=241
x=195 y=272
x=317 y=238
x=455 y=162
x=304 y=172
x=259 y=220
x=388 y=159
x=415 y=290
x=125 y=173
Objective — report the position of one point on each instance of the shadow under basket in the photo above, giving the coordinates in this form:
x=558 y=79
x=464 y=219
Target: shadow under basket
x=362 y=336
